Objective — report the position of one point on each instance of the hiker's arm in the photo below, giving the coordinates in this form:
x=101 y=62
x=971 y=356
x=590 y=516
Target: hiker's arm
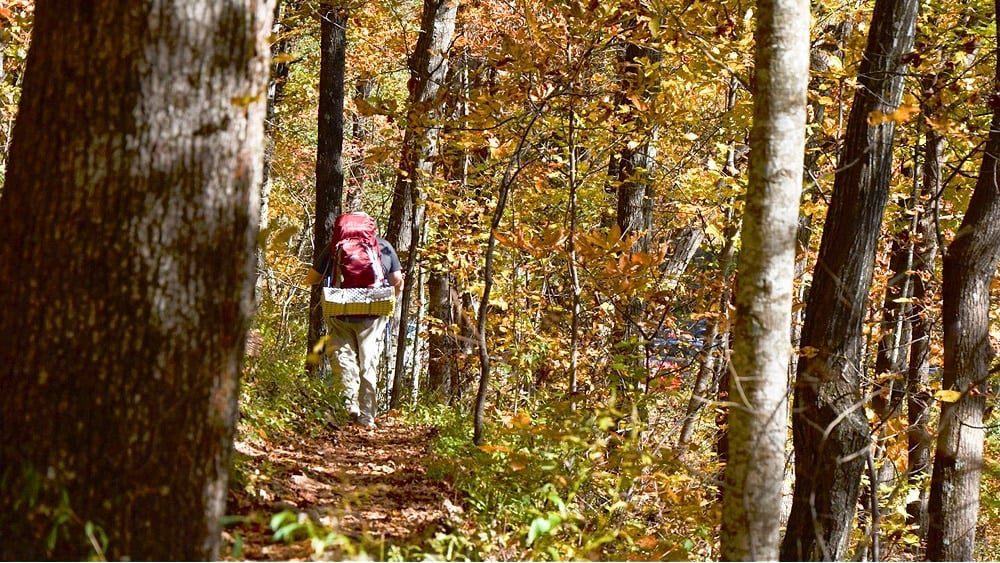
x=313 y=277
x=396 y=281
x=323 y=263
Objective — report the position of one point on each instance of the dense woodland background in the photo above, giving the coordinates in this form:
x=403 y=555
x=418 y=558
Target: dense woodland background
x=566 y=183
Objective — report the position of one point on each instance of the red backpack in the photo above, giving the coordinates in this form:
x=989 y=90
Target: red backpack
x=356 y=251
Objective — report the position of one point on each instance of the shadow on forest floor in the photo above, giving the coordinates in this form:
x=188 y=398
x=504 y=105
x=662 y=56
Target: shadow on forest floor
x=368 y=485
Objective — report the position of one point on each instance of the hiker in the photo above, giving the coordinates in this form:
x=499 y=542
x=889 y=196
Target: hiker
x=355 y=341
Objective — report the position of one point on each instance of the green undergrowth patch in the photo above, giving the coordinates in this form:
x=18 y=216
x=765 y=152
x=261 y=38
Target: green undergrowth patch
x=557 y=481
x=277 y=396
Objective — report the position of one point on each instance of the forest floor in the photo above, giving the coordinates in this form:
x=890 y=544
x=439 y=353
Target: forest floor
x=351 y=489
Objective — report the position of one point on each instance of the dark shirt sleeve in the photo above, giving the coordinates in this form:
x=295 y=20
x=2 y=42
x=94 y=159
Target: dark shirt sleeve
x=390 y=261
x=322 y=264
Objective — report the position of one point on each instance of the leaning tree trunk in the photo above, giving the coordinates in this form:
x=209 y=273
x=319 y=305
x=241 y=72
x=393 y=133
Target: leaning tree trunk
x=127 y=232
x=918 y=397
x=762 y=330
x=428 y=70
x=970 y=265
x=829 y=425
x=329 y=153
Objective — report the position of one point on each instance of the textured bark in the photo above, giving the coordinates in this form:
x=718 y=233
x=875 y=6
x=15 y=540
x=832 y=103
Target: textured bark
x=428 y=66
x=441 y=344
x=970 y=265
x=918 y=399
x=275 y=94
x=630 y=170
x=428 y=69
x=361 y=130
x=128 y=224
x=762 y=329
x=893 y=347
x=329 y=153
x=829 y=425
x=711 y=355
x=686 y=243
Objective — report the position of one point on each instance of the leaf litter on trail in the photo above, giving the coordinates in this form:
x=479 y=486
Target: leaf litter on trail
x=369 y=486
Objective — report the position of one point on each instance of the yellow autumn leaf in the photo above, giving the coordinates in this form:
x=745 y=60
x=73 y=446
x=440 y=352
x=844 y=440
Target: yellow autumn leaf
x=948 y=395
x=808 y=352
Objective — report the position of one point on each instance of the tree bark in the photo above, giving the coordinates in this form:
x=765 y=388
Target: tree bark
x=712 y=352
x=918 y=436
x=128 y=224
x=631 y=169
x=275 y=94
x=762 y=329
x=329 y=154
x=428 y=69
x=892 y=356
x=440 y=342
x=829 y=426
x=970 y=265
x=361 y=131
x=428 y=66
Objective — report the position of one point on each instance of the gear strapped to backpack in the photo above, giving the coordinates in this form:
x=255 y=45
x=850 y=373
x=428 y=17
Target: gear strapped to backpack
x=356 y=284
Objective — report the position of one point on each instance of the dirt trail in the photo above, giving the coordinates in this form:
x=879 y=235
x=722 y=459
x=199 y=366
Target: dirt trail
x=369 y=485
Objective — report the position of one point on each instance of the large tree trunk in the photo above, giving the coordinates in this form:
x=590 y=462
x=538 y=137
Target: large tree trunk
x=829 y=425
x=762 y=329
x=128 y=224
x=918 y=397
x=329 y=152
x=970 y=265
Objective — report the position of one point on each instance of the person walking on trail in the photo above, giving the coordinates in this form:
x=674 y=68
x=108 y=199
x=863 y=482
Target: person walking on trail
x=354 y=342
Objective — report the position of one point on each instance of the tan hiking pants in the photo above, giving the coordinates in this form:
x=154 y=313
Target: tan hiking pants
x=354 y=347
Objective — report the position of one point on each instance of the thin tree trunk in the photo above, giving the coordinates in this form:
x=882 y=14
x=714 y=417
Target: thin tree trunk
x=829 y=425
x=893 y=348
x=440 y=342
x=415 y=364
x=329 y=154
x=970 y=265
x=129 y=220
x=484 y=356
x=506 y=184
x=629 y=170
x=360 y=136
x=758 y=384
x=404 y=305
x=428 y=66
x=712 y=352
x=918 y=412
x=275 y=93
x=571 y=250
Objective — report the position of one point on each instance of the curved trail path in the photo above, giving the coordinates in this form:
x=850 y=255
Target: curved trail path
x=369 y=485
